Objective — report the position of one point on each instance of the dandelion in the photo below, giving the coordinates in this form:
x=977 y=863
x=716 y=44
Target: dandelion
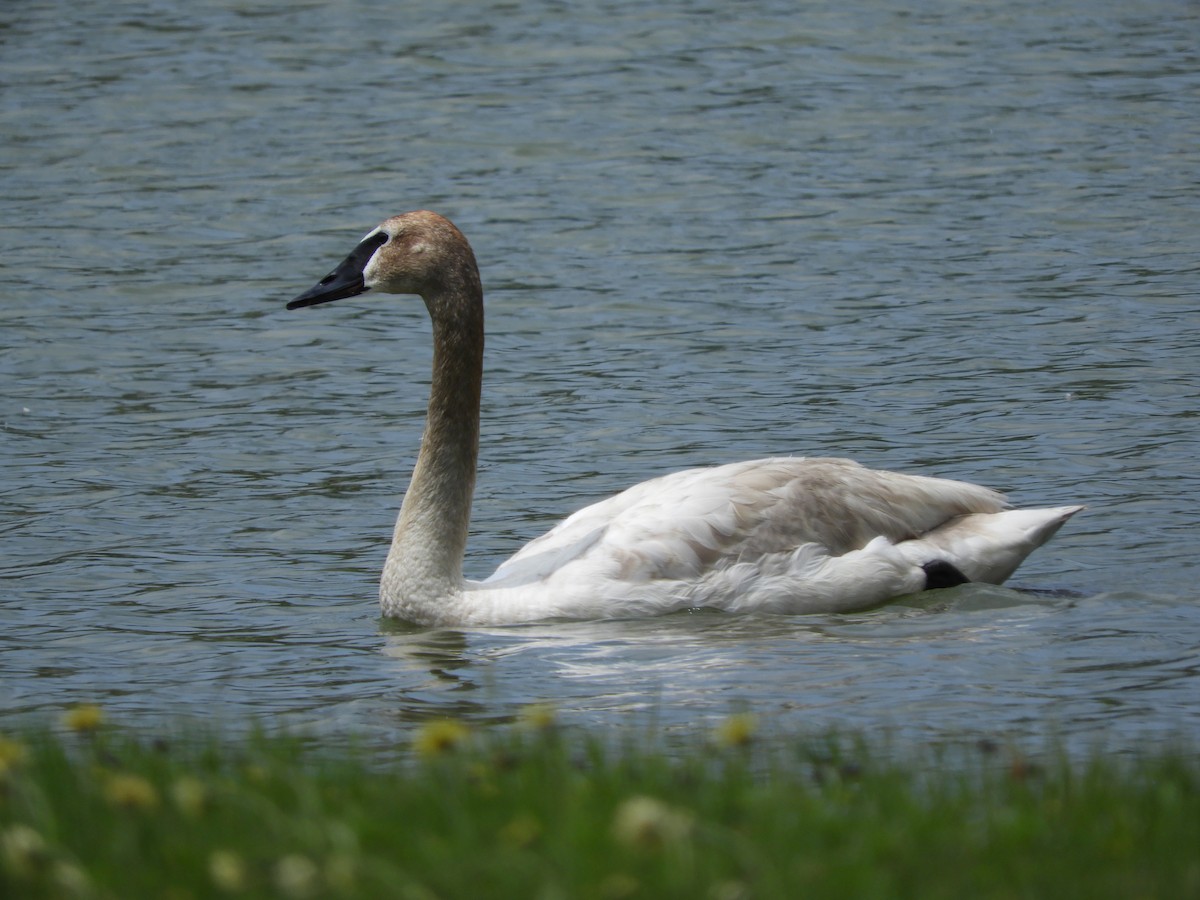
x=736 y=731
x=296 y=875
x=71 y=880
x=131 y=792
x=190 y=795
x=537 y=717
x=646 y=823
x=85 y=717
x=257 y=774
x=23 y=850
x=480 y=774
x=226 y=870
x=12 y=755
x=442 y=736
x=522 y=831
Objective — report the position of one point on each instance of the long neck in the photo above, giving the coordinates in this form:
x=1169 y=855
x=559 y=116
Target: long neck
x=424 y=565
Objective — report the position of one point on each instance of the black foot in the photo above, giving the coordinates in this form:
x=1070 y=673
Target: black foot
x=940 y=574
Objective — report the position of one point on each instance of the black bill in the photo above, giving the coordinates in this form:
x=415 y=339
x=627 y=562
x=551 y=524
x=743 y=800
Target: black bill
x=347 y=279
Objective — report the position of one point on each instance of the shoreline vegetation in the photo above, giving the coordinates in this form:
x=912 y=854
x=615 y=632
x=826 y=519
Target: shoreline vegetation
x=538 y=811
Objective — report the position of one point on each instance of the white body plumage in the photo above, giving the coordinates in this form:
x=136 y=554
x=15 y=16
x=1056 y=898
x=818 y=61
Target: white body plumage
x=780 y=535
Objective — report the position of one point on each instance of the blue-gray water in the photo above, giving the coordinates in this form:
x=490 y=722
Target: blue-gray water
x=947 y=238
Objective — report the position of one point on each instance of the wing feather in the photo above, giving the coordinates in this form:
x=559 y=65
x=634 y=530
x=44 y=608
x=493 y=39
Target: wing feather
x=686 y=523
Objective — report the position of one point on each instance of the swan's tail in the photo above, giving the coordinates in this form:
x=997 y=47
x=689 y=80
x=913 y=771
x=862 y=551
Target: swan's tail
x=988 y=547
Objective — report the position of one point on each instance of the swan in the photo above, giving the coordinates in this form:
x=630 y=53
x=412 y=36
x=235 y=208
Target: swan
x=785 y=535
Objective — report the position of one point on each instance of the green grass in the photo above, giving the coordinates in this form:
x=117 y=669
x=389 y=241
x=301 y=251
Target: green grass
x=534 y=813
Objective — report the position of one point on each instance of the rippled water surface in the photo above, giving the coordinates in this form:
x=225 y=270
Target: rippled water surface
x=950 y=239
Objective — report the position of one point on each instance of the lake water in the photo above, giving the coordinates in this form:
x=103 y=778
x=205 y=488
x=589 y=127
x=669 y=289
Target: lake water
x=944 y=238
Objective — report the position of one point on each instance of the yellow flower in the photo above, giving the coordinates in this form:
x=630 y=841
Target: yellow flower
x=537 y=717
x=24 y=850
x=226 y=871
x=190 y=795
x=646 y=823
x=296 y=875
x=84 y=717
x=256 y=773
x=12 y=755
x=736 y=731
x=70 y=879
x=131 y=792
x=521 y=831
x=441 y=736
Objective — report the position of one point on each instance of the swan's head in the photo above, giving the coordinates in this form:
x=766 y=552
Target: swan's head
x=414 y=253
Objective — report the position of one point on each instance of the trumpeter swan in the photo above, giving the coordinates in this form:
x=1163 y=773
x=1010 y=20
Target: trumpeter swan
x=783 y=534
